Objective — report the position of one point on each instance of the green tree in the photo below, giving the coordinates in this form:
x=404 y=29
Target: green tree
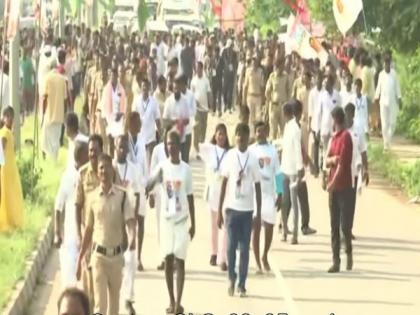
x=142 y=15
x=266 y=14
x=397 y=20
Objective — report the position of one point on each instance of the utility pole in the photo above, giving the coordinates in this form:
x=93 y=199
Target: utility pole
x=14 y=83
x=61 y=18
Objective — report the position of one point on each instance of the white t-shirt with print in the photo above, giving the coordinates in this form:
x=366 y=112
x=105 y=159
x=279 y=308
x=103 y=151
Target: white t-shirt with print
x=149 y=113
x=215 y=159
x=176 y=186
x=242 y=171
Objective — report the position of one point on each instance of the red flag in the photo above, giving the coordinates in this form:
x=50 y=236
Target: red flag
x=301 y=9
x=216 y=7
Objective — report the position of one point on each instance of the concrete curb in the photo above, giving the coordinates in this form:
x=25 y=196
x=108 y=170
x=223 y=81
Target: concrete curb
x=24 y=290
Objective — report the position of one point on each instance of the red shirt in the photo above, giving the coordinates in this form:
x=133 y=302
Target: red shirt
x=342 y=147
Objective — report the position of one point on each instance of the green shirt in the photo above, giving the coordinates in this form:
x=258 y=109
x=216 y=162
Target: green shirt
x=27 y=72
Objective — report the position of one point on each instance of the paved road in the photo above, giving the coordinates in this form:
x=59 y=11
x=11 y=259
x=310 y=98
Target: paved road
x=385 y=279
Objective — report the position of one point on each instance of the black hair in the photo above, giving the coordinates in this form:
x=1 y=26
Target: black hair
x=288 y=108
x=103 y=157
x=72 y=121
x=358 y=82
x=259 y=124
x=61 y=56
x=77 y=294
x=9 y=111
x=79 y=148
x=174 y=135
x=242 y=128
x=219 y=127
x=297 y=107
x=97 y=138
x=161 y=79
x=338 y=115
x=350 y=108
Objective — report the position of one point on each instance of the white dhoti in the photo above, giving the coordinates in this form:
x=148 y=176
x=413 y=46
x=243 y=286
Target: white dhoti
x=51 y=134
x=68 y=264
x=174 y=237
x=129 y=274
x=388 y=122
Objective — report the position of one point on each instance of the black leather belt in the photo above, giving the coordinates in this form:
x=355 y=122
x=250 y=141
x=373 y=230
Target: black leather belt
x=107 y=251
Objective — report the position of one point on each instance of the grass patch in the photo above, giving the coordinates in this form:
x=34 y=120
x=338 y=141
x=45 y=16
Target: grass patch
x=17 y=246
x=404 y=175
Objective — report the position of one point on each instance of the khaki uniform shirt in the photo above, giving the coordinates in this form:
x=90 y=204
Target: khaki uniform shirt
x=303 y=96
x=107 y=213
x=254 y=82
x=277 y=90
x=88 y=182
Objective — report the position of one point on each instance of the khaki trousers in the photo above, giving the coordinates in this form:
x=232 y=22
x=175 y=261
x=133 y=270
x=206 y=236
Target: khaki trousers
x=200 y=128
x=107 y=280
x=276 y=121
x=255 y=110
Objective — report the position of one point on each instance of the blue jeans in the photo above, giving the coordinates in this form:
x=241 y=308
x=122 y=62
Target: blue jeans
x=239 y=227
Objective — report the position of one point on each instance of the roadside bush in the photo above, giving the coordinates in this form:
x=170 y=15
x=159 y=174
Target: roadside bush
x=409 y=75
x=29 y=178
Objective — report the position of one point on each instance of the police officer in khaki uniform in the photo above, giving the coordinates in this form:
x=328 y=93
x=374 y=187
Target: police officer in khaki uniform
x=277 y=93
x=109 y=211
x=88 y=182
x=253 y=91
x=89 y=90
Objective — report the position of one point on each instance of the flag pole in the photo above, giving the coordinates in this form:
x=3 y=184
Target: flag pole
x=3 y=50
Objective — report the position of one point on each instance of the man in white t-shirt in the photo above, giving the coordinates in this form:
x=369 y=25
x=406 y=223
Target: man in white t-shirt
x=177 y=112
x=192 y=104
x=347 y=93
x=67 y=239
x=128 y=179
x=313 y=103
x=241 y=180
x=74 y=135
x=292 y=168
x=200 y=86
x=175 y=178
x=272 y=190
x=148 y=108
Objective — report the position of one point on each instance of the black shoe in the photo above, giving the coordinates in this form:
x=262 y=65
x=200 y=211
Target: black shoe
x=231 y=289
x=213 y=260
x=294 y=241
x=308 y=230
x=242 y=292
x=334 y=268
x=161 y=266
x=223 y=266
x=353 y=238
x=349 y=262
x=130 y=308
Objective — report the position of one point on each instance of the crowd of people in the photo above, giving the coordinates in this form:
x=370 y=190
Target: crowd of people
x=146 y=102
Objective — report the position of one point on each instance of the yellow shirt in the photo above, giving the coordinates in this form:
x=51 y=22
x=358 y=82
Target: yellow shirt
x=56 y=92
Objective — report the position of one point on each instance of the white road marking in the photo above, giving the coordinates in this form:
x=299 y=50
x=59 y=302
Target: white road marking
x=291 y=305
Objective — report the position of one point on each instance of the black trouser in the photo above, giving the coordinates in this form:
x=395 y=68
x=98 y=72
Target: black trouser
x=185 y=148
x=228 y=82
x=315 y=153
x=340 y=203
x=303 y=201
x=216 y=88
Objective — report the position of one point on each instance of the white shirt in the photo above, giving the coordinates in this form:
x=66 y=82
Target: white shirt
x=201 y=89
x=291 y=157
x=313 y=104
x=326 y=104
x=361 y=118
x=215 y=159
x=65 y=200
x=177 y=111
x=200 y=52
x=242 y=171
x=359 y=146
x=158 y=155
x=193 y=110
x=175 y=189
x=129 y=176
x=161 y=58
x=80 y=137
x=269 y=167
x=137 y=156
x=388 y=90
x=346 y=97
x=149 y=113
